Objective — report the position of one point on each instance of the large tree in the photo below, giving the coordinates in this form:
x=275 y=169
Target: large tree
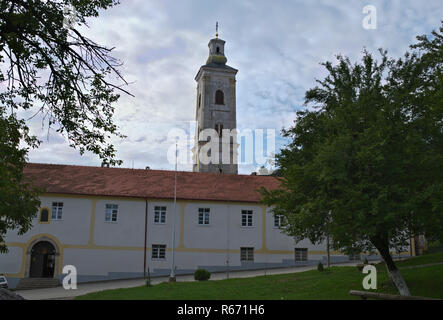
x=365 y=158
x=49 y=67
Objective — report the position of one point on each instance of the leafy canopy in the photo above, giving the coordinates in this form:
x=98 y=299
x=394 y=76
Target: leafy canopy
x=50 y=68
x=365 y=161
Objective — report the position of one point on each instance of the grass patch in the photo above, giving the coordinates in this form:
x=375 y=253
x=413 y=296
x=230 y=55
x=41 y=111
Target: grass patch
x=420 y=260
x=333 y=284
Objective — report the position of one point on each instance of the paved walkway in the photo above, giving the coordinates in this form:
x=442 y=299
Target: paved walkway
x=84 y=288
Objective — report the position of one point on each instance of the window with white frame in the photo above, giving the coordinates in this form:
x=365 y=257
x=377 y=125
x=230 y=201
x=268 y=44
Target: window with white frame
x=301 y=254
x=203 y=216
x=159 y=214
x=111 y=212
x=278 y=219
x=246 y=254
x=57 y=211
x=246 y=218
x=158 y=251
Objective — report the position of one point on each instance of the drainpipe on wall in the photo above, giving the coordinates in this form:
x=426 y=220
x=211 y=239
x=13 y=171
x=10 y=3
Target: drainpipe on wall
x=146 y=233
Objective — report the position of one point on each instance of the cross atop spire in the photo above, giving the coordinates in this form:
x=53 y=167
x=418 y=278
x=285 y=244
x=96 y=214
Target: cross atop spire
x=216 y=29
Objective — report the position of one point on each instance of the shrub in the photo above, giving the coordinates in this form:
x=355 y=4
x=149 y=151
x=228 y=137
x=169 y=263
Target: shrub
x=320 y=266
x=202 y=275
x=366 y=261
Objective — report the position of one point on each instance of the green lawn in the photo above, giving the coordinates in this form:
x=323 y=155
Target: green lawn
x=421 y=260
x=335 y=284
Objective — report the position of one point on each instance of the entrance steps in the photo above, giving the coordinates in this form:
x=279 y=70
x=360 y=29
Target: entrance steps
x=37 y=283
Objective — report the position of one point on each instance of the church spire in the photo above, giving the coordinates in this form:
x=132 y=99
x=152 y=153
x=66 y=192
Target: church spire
x=216 y=110
x=216 y=50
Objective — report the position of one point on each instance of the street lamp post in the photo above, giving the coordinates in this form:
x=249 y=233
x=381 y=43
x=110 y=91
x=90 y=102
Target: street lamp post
x=172 y=275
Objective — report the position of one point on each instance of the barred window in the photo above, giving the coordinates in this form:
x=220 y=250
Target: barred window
x=57 y=211
x=301 y=254
x=111 y=212
x=158 y=251
x=203 y=216
x=159 y=214
x=354 y=257
x=278 y=219
x=246 y=218
x=246 y=254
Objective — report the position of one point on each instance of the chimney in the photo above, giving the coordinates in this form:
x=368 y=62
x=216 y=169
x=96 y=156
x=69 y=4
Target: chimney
x=253 y=173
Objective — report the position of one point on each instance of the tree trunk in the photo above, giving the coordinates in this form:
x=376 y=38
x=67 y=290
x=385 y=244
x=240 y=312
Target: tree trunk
x=394 y=273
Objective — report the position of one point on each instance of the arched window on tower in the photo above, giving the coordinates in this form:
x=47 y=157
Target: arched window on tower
x=218 y=50
x=199 y=100
x=219 y=97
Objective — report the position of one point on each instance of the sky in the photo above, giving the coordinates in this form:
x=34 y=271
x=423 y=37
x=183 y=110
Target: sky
x=277 y=47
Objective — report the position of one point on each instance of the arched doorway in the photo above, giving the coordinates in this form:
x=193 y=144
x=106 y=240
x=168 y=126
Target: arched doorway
x=42 y=260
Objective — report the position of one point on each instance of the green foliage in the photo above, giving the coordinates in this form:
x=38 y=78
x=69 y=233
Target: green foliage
x=366 y=261
x=18 y=200
x=202 y=275
x=370 y=150
x=365 y=161
x=58 y=73
x=320 y=266
x=76 y=96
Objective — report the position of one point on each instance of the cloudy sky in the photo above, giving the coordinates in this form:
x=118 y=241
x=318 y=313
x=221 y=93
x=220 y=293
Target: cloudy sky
x=276 y=46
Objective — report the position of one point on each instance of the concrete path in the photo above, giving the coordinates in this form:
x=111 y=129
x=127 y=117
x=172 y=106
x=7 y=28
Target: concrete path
x=84 y=288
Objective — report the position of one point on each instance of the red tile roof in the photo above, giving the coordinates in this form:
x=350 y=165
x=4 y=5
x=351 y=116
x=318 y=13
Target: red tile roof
x=159 y=184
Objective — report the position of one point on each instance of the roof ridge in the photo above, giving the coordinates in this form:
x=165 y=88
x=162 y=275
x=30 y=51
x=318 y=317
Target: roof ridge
x=141 y=169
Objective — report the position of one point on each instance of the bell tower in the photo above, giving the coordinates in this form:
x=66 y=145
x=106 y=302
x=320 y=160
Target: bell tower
x=216 y=110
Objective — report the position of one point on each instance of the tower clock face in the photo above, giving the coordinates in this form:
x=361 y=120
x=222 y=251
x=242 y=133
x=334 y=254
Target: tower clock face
x=219 y=84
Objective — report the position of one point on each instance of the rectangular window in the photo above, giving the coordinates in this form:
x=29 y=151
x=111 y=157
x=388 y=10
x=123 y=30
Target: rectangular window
x=246 y=218
x=203 y=216
x=111 y=212
x=159 y=214
x=355 y=257
x=158 y=251
x=44 y=215
x=246 y=254
x=301 y=254
x=57 y=211
x=278 y=218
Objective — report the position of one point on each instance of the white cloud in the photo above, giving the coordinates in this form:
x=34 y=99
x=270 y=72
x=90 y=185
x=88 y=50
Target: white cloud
x=276 y=46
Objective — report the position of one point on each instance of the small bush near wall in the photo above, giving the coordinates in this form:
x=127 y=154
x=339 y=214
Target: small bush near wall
x=320 y=266
x=202 y=275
